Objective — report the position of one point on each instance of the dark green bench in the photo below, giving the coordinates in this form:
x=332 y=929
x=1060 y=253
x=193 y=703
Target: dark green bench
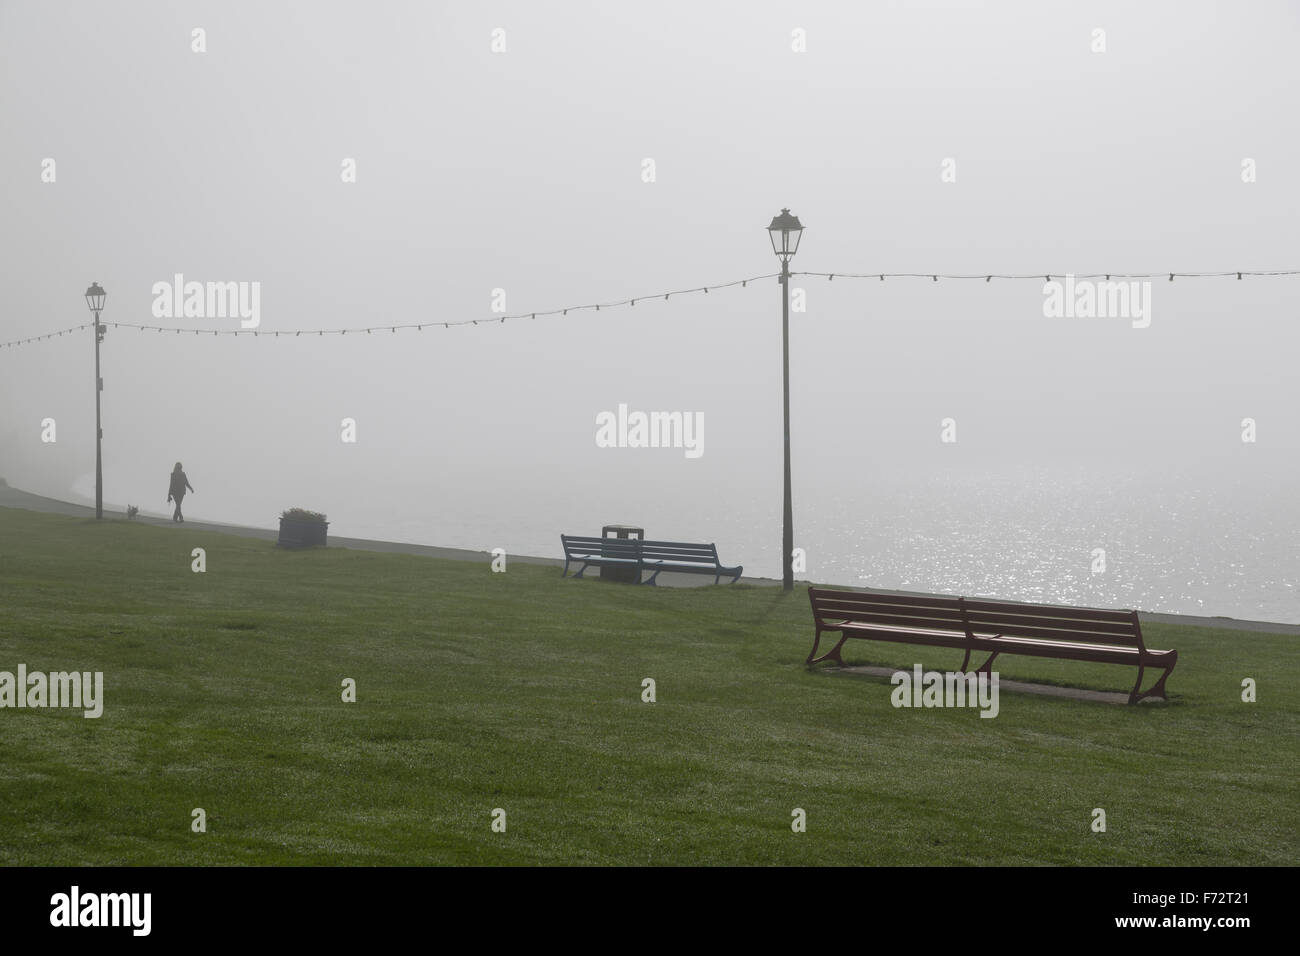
x=675 y=557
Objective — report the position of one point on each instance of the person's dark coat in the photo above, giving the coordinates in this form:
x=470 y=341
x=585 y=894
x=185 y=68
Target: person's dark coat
x=179 y=484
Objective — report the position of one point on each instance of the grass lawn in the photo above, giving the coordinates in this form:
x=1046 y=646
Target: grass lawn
x=523 y=691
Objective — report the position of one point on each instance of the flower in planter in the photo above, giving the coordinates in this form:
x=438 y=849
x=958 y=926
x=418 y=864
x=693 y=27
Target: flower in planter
x=302 y=514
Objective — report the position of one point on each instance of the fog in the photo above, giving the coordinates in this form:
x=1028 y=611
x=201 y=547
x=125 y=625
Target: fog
x=522 y=171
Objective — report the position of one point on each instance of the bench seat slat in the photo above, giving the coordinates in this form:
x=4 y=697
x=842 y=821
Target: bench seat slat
x=990 y=642
x=1055 y=634
x=1075 y=651
x=708 y=559
x=934 y=638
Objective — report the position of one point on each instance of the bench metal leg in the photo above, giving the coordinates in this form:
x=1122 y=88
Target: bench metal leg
x=964 y=661
x=581 y=569
x=1157 y=689
x=985 y=667
x=1133 y=697
x=832 y=655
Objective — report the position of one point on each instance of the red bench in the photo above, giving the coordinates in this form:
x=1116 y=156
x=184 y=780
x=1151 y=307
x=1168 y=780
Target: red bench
x=993 y=627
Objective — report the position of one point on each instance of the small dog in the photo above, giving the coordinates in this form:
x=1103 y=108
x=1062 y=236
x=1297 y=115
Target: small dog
x=132 y=511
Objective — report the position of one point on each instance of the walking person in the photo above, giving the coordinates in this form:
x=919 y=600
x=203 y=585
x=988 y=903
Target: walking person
x=177 y=491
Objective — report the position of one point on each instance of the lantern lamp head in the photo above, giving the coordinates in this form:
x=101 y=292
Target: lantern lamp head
x=785 y=232
x=95 y=298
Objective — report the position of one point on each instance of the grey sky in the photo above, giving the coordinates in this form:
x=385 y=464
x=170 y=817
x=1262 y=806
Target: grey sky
x=522 y=170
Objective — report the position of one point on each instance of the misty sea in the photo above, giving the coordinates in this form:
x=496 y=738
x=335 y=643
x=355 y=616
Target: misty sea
x=1090 y=537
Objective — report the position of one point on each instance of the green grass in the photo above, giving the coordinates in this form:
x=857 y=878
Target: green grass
x=522 y=691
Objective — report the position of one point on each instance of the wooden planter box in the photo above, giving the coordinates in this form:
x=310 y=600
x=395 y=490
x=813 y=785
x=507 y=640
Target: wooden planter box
x=296 y=533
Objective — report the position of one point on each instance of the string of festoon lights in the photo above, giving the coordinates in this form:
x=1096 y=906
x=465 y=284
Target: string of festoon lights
x=1046 y=277
x=630 y=303
x=417 y=326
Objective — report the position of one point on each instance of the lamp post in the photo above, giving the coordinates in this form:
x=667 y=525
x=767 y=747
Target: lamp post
x=785 y=232
x=95 y=299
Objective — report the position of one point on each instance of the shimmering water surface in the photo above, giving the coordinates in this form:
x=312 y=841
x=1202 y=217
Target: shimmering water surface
x=1171 y=543
x=1027 y=533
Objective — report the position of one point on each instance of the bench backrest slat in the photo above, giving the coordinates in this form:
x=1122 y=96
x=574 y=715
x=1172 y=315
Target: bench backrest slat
x=869 y=597
x=1048 y=610
x=625 y=548
x=1081 y=624
x=939 y=612
x=578 y=546
x=684 y=545
x=984 y=618
x=704 y=560
x=684 y=554
x=1031 y=627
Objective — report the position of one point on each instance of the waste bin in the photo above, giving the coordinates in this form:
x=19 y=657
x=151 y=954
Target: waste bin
x=627 y=575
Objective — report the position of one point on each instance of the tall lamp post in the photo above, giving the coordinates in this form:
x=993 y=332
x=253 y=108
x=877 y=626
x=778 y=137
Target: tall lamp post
x=785 y=232
x=95 y=299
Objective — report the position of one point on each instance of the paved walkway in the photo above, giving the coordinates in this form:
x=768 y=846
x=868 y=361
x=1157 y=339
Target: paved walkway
x=13 y=498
